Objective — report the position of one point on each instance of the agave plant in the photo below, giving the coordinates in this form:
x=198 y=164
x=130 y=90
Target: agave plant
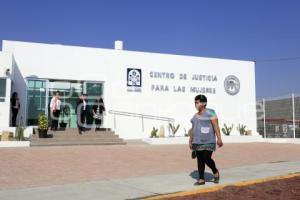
x=187 y=133
x=242 y=129
x=174 y=129
x=227 y=129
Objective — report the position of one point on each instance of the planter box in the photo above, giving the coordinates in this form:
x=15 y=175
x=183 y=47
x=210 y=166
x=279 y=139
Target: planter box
x=185 y=140
x=7 y=136
x=14 y=144
x=167 y=140
x=242 y=138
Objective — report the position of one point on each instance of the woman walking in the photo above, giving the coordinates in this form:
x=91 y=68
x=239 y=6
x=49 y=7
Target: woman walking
x=205 y=130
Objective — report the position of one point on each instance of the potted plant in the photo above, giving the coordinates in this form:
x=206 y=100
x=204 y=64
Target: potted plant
x=63 y=124
x=42 y=125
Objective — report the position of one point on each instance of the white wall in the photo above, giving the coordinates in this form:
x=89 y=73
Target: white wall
x=81 y=63
x=5 y=63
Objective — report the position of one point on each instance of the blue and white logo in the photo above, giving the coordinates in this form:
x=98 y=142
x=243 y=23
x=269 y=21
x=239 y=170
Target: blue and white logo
x=134 y=80
x=134 y=77
x=232 y=85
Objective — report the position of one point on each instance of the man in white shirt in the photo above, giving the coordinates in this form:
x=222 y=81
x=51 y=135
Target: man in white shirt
x=55 y=105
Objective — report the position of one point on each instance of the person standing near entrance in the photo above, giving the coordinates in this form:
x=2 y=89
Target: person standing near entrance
x=55 y=105
x=205 y=130
x=81 y=111
x=98 y=110
x=15 y=107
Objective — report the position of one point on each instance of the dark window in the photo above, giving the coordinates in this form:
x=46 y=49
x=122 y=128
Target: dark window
x=2 y=89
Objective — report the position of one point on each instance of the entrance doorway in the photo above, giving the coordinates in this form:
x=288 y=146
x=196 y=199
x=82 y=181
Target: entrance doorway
x=40 y=92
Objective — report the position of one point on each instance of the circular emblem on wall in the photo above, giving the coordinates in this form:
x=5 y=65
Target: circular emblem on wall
x=232 y=85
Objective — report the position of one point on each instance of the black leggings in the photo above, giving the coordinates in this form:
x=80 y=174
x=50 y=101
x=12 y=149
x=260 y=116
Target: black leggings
x=14 y=116
x=204 y=157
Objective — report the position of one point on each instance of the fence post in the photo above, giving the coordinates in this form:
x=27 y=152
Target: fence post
x=294 y=125
x=115 y=126
x=143 y=128
x=264 y=108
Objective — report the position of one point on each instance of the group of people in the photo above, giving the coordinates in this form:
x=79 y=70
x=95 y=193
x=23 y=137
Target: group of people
x=87 y=113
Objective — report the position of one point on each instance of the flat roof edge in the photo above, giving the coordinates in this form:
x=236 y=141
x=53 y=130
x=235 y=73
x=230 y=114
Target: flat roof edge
x=129 y=51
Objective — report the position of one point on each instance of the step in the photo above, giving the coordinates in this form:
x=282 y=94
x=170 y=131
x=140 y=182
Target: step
x=70 y=136
x=83 y=133
x=75 y=130
x=79 y=136
x=46 y=140
x=73 y=143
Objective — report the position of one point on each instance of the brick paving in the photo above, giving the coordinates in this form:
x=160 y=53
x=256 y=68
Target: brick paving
x=44 y=166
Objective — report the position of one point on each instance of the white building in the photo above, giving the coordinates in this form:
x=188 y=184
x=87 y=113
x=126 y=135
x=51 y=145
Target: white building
x=140 y=90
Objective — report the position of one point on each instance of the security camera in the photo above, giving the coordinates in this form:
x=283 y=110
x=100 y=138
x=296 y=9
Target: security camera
x=7 y=71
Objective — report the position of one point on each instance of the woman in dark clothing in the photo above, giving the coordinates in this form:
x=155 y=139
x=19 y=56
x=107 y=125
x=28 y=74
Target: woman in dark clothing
x=81 y=112
x=15 y=107
x=98 y=110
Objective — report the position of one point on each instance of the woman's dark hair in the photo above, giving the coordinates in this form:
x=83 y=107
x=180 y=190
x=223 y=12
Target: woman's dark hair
x=14 y=95
x=202 y=98
x=100 y=100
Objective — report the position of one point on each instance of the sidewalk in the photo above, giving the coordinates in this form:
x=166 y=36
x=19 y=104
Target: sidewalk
x=130 y=188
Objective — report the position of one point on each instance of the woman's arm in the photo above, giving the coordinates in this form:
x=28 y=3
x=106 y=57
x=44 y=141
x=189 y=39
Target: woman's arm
x=215 y=123
x=191 y=138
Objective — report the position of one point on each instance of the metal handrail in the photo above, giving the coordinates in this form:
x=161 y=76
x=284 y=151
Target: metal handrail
x=139 y=115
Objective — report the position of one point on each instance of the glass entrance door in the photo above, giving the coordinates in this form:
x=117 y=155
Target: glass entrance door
x=37 y=100
x=93 y=90
x=40 y=92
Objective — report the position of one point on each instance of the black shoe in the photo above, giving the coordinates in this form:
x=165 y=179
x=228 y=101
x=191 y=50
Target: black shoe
x=217 y=178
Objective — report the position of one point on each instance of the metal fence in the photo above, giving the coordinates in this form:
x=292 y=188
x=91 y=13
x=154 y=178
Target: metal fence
x=279 y=117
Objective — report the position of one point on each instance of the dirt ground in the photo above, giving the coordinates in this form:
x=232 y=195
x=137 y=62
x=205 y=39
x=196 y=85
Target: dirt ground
x=287 y=189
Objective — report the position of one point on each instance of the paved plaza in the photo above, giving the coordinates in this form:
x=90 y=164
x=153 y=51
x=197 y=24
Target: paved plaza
x=131 y=171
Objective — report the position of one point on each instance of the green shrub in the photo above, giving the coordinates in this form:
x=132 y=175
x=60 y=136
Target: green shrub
x=42 y=122
x=154 y=133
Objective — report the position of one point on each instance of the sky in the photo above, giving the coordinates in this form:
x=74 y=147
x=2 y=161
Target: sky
x=267 y=32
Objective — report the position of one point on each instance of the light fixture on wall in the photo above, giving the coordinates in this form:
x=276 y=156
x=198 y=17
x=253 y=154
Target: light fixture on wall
x=6 y=71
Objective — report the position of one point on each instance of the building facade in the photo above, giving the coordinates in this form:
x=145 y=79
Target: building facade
x=140 y=90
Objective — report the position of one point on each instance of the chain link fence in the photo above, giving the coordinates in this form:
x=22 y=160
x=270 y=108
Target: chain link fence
x=279 y=117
